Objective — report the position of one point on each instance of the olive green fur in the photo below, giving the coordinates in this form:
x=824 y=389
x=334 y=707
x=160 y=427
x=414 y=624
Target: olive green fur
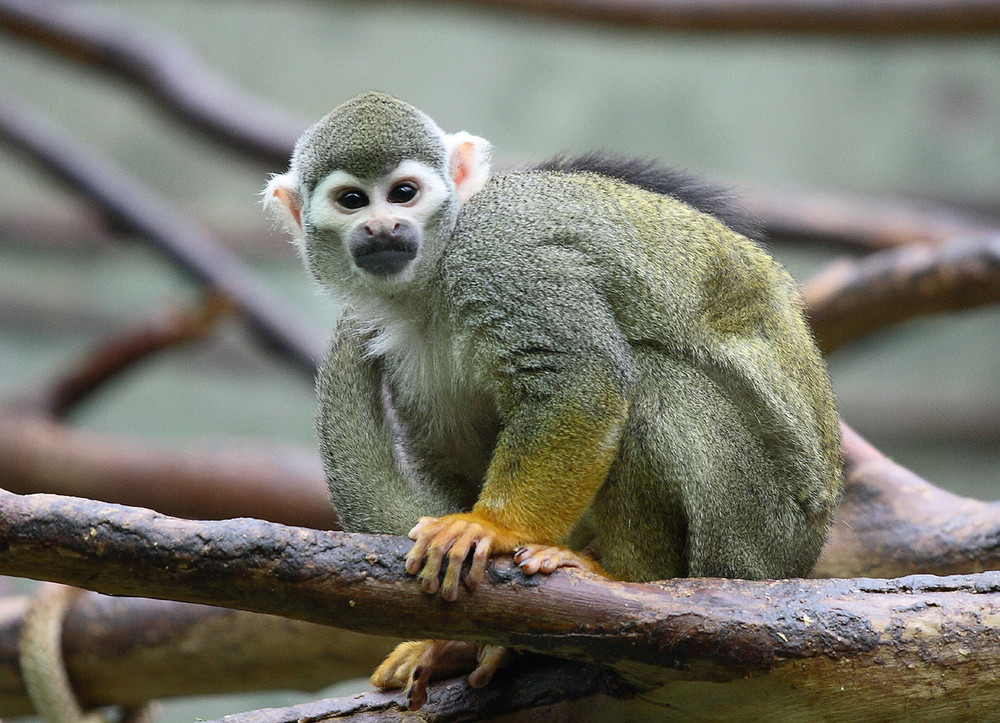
x=366 y=136
x=560 y=297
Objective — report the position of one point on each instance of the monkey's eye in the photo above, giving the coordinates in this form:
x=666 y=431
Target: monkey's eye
x=352 y=199
x=403 y=192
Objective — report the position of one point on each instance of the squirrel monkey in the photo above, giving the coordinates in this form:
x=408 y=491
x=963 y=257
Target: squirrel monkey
x=584 y=363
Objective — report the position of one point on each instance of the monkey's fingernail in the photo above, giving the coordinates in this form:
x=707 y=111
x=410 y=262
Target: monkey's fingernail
x=519 y=550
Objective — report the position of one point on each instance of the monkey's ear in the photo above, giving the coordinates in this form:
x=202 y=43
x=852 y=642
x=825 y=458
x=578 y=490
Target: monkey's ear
x=283 y=203
x=469 y=161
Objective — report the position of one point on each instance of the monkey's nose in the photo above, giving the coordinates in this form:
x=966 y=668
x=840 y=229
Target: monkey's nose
x=387 y=228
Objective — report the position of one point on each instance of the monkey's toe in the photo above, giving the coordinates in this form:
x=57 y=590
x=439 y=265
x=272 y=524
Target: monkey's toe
x=547 y=559
x=413 y=665
x=491 y=658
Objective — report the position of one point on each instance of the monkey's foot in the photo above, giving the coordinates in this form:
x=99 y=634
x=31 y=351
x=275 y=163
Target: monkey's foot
x=455 y=536
x=415 y=664
x=549 y=558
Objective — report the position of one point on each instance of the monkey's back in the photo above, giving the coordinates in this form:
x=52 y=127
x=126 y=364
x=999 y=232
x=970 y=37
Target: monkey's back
x=661 y=284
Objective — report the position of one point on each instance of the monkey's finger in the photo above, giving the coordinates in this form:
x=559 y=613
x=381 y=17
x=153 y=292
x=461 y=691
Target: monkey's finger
x=432 y=569
x=415 y=557
x=456 y=558
x=490 y=658
x=422 y=533
x=530 y=557
x=425 y=536
x=479 y=559
x=421 y=524
x=395 y=670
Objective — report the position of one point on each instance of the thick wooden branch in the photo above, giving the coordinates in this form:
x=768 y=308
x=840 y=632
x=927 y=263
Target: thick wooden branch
x=851 y=298
x=357 y=582
x=126 y=651
x=892 y=522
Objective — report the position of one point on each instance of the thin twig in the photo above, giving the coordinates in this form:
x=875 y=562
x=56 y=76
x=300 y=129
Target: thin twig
x=56 y=397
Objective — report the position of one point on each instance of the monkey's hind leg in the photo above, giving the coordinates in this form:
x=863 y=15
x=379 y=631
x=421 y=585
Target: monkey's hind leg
x=415 y=664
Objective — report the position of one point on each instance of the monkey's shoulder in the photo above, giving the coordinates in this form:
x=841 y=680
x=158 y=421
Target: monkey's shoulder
x=706 y=196
x=591 y=216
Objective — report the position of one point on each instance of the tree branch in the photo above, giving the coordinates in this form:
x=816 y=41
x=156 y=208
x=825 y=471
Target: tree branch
x=534 y=683
x=125 y=651
x=866 y=223
x=186 y=243
x=55 y=397
x=851 y=298
x=340 y=579
x=167 y=68
x=892 y=522
x=281 y=484
x=880 y=17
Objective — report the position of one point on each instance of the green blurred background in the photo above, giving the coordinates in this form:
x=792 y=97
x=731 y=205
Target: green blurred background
x=869 y=117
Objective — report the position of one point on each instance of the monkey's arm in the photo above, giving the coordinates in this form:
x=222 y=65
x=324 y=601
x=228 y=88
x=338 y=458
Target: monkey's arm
x=551 y=457
x=367 y=483
x=561 y=375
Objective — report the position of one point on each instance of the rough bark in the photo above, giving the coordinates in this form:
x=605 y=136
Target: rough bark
x=531 y=689
x=713 y=630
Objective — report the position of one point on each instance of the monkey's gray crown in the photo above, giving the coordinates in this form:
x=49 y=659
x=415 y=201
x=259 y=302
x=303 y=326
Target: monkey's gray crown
x=367 y=136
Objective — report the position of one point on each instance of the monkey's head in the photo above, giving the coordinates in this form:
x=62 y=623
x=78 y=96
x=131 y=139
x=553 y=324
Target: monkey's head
x=373 y=191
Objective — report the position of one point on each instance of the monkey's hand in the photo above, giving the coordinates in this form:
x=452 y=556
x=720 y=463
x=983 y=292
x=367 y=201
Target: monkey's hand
x=413 y=665
x=456 y=536
x=549 y=558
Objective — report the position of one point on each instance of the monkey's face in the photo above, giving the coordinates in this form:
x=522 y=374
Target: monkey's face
x=381 y=225
x=361 y=227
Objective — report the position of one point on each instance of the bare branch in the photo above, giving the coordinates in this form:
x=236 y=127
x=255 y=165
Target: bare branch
x=346 y=580
x=266 y=481
x=861 y=222
x=138 y=208
x=56 y=397
x=167 y=68
x=855 y=297
x=891 y=522
x=125 y=651
x=532 y=684
x=880 y=17
x=173 y=74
